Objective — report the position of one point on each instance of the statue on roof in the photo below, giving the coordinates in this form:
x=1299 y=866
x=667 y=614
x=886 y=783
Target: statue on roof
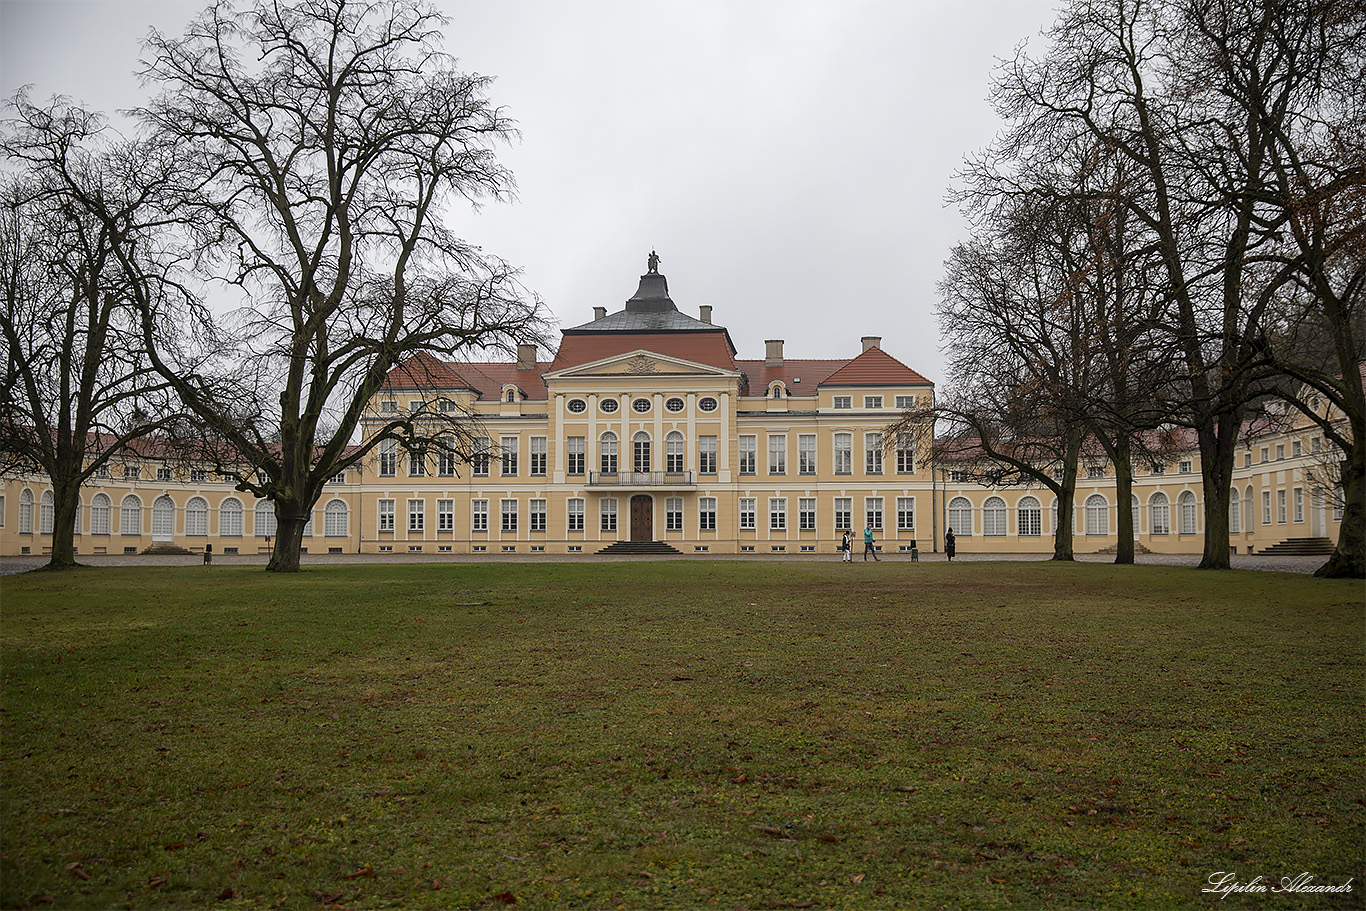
x=653 y=263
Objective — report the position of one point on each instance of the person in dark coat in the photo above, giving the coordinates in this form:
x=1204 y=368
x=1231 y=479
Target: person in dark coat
x=950 y=543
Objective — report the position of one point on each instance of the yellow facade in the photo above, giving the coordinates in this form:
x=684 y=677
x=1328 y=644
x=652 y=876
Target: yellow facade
x=647 y=444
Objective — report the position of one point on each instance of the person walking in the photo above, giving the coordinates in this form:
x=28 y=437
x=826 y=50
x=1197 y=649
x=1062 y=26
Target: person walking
x=208 y=554
x=950 y=544
x=847 y=546
x=868 y=544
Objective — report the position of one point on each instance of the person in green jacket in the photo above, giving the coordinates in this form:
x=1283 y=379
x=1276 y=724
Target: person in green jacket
x=868 y=544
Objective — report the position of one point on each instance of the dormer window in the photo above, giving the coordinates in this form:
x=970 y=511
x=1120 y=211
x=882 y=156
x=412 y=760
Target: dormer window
x=511 y=396
x=777 y=391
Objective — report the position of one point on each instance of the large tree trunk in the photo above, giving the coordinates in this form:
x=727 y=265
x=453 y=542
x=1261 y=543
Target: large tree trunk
x=290 y=519
x=1218 y=449
x=1349 y=558
x=65 y=502
x=1124 y=495
x=1062 y=536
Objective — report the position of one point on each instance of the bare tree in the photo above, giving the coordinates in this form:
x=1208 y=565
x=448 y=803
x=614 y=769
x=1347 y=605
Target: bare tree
x=319 y=143
x=78 y=386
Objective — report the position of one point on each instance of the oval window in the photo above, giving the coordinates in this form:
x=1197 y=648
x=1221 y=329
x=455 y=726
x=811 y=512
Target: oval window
x=578 y=406
x=707 y=404
x=640 y=405
x=674 y=404
x=608 y=405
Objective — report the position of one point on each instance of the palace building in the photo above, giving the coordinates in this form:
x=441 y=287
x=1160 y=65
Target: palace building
x=645 y=427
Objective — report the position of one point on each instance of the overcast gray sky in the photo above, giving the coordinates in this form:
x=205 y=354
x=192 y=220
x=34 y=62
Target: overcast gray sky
x=788 y=159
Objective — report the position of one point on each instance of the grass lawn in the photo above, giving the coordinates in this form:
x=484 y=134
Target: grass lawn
x=680 y=734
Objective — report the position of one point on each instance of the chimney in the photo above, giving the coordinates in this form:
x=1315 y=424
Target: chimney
x=705 y=312
x=526 y=357
x=872 y=341
x=773 y=352
x=599 y=312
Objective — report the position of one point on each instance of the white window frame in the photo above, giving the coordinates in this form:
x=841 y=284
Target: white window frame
x=747 y=449
x=905 y=513
x=844 y=513
x=574 y=513
x=479 y=515
x=507 y=515
x=417 y=515
x=1029 y=517
x=536 y=514
x=777 y=513
x=960 y=517
x=872 y=512
x=385 y=513
x=806 y=513
x=749 y=513
x=777 y=453
x=706 y=513
x=806 y=453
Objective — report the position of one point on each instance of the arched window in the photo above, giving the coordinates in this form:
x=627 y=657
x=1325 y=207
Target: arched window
x=673 y=447
x=263 y=518
x=960 y=516
x=511 y=395
x=776 y=391
x=1133 y=503
x=99 y=515
x=1053 y=517
x=1188 y=514
x=1247 y=508
x=1235 y=512
x=1028 y=517
x=1159 y=514
x=76 y=523
x=130 y=516
x=640 y=452
x=335 y=519
x=1097 y=515
x=994 y=517
x=25 y=512
x=230 y=518
x=45 y=510
x=197 y=517
x=163 y=518
x=607 y=449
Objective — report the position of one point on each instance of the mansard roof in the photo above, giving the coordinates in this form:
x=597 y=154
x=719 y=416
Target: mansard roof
x=875 y=367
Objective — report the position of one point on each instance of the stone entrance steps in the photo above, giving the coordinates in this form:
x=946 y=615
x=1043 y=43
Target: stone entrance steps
x=647 y=548
x=1300 y=547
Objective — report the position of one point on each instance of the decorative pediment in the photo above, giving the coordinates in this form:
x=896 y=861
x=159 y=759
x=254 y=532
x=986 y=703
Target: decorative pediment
x=638 y=363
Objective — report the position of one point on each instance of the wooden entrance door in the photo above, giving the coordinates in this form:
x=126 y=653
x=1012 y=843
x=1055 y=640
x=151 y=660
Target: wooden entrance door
x=642 y=518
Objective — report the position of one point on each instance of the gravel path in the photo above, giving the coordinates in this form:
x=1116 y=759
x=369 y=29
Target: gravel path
x=13 y=565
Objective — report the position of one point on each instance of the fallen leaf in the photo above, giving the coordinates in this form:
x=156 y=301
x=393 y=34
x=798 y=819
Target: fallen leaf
x=857 y=879
x=366 y=870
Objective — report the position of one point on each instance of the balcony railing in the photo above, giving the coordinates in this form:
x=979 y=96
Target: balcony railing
x=673 y=479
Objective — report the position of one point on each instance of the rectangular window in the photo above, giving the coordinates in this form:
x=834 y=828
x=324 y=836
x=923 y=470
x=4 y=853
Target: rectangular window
x=574 y=510
x=749 y=445
x=777 y=513
x=872 y=401
x=607 y=514
x=164 y=473
x=538 y=455
x=844 y=509
x=844 y=401
x=844 y=457
x=446 y=459
x=479 y=460
x=873 y=509
x=536 y=515
x=388 y=407
x=806 y=513
x=872 y=453
x=479 y=515
x=806 y=453
x=1266 y=454
x=131 y=473
x=103 y=470
x=1280 y=452
x=386 y=515
x=508 y=511
x=1247 y=460
x=1316 y=444
x=905 y=401
x=905 y=513
x=1094 y=472
x=578 y=462
x=1280 y=507
x=1299 y=504
x=706 y=455
x=748 y=509
x=777 y=455
x=388 y=458
x=706 y=513
x=417 y=518
x=961 y=477
x=445 y=515
x=198 y=476
x=1185 y=466
x=508 y=451
x=417 y=462
x=905 y=454
x=1296 y=448
x=673 y=514
x=1266 y=507
x=1159 y=468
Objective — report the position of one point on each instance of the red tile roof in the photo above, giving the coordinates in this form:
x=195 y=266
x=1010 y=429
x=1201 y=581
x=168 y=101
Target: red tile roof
x=875 y=367
x=811 y=372
x=709 y=347
x=425 y=370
